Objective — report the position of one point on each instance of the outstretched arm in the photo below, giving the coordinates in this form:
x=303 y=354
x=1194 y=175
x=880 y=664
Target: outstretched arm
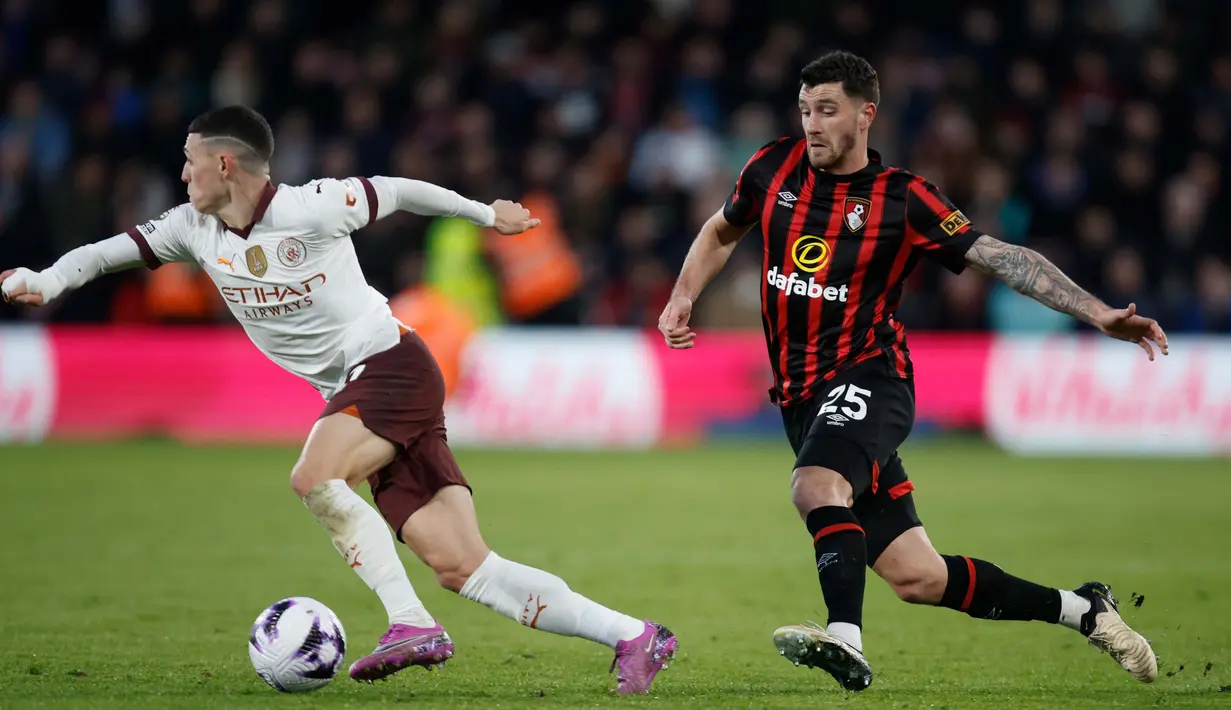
x=425 y=198
x=72 y=271
x=706 y=257
x=1031 y=274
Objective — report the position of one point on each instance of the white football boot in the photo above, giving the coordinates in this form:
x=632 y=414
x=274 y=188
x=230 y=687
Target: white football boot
x=1107 y=632
x=808 y=644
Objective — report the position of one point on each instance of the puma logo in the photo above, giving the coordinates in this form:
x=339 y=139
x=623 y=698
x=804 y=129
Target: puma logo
x=353 y=561
x=229 y=263
x=525 y=612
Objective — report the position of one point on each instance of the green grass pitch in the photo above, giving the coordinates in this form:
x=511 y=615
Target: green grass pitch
x=131 y=573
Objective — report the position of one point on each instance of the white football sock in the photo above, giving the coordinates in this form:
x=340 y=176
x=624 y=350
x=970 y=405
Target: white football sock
x=847 y=632
x=1072 y=608
x=543 y=601
x=359 y=534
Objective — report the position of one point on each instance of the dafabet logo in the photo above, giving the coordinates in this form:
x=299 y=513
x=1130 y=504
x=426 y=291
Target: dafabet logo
x=810 y=254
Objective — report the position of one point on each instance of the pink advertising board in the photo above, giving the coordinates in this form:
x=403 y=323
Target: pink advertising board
x=519 y=387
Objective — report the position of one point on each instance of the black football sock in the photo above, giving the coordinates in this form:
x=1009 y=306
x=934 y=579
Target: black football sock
x=984 y=591
x=841 y=561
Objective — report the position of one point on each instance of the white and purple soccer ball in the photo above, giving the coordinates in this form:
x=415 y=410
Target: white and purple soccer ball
x=297 y=645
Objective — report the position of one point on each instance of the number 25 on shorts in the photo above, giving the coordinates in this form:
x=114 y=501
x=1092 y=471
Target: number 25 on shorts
x=856 y=396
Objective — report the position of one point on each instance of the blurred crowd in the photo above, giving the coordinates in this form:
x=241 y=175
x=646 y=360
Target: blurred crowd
x=1094 y=131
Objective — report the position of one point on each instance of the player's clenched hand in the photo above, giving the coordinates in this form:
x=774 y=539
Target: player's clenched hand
x=673 y=323
x=16 y=286
x=512 y=218
x=1125 y=324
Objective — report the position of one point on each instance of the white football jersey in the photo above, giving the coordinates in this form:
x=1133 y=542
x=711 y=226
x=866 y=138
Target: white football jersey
x=292 y=278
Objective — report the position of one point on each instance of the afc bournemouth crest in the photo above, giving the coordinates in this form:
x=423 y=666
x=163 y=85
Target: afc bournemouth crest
x=855 y=213
x=291 y=252
x=257 y=263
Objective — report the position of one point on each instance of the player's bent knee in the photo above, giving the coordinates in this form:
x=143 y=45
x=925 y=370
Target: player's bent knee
x=913 y=568
x=452 y=579
x=305 y=477
x=453 y=567
x=920 y=588
x=814 y=487
x=915 y=581
x=444 y=534
x=340 y=447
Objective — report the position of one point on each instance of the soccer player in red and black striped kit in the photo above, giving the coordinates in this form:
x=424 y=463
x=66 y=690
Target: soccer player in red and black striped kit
x=841 y=232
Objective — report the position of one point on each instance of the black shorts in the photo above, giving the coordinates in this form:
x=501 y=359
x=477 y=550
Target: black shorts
x=854 y=425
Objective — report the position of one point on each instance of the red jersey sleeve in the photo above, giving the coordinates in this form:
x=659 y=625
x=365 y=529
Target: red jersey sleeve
x=936 y=227
x=747 y=198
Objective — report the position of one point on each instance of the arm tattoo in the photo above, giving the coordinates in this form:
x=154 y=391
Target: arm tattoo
x=1031 y=274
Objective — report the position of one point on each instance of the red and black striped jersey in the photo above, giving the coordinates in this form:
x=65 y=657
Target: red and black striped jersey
x=837 y=249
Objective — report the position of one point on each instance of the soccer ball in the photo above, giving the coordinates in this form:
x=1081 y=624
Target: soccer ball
x=297 y=645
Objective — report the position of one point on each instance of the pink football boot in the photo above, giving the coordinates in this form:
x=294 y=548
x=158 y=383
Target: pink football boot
x=403 y=646
x=642 y=658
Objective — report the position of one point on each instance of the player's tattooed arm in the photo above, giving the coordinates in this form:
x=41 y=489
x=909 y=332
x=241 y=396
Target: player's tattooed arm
x=1031 y=274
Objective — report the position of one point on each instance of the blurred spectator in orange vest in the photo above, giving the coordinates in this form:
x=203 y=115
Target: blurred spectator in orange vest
x=181 y=293
x=539 y=274
x=445 y=326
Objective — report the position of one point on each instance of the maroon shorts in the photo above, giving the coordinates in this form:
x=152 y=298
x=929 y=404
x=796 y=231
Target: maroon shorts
x=399 y=395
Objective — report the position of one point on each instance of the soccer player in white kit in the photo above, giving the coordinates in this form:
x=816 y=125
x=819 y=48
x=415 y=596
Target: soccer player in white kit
x=283 y=260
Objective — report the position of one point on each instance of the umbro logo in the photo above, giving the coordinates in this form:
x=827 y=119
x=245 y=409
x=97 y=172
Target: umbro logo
x=787 y=198
x=826 y=559
x=836 y=420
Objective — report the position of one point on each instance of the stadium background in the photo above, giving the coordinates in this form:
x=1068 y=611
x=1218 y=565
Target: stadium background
x=1094 y=131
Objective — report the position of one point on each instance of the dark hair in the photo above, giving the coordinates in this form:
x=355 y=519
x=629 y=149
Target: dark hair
x=856 y=75
x=238 y=123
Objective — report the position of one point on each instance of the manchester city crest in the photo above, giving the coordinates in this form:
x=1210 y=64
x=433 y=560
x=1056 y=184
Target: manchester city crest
x=291 y=252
